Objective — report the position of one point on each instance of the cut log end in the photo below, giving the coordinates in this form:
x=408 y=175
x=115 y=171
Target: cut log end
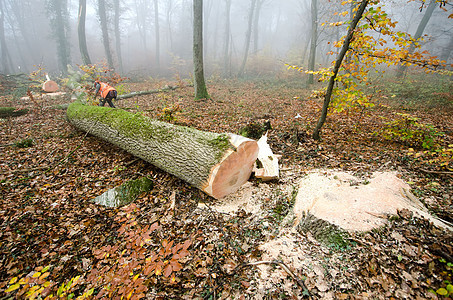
x=50 y=86
x=230 y=174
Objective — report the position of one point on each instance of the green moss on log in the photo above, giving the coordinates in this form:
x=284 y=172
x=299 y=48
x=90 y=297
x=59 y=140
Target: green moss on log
x=125 y=193
x=6 y=112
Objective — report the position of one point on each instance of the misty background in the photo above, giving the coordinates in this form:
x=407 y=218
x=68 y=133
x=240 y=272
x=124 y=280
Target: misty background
x=154 y=37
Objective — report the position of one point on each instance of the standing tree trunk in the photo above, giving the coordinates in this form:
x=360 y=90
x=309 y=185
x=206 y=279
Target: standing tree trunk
x=314 y=39
x=226 y=46
x=105 y=33
x=337 y=66
x=169 y=33
x=118 y=35
x=256 y=21
x=248 y=36
x=156 y=28
x=4 y=50
x=218 y=164
x=446 y=52
x=27 y=34
x=200 y=86
x=81 y=32
x=58 y=14
x=421 y=27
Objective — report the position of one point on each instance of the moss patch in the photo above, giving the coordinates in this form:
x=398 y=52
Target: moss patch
x=325 y=232
x=6 y=112
x=125 y=193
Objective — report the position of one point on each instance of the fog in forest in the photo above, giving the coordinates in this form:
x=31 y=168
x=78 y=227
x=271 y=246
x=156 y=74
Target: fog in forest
x=154 y=37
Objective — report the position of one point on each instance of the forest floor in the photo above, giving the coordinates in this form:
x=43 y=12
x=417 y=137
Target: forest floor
x=49 y=172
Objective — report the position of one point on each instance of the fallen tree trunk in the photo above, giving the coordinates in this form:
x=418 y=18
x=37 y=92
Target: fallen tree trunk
x=6 y=112
x=140 y=93
x=216 y=163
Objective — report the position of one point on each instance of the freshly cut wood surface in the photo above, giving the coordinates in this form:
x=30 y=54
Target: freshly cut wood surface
x=50 y=86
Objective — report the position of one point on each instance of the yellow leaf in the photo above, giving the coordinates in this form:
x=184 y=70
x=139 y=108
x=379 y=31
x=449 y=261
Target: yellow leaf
x=13 y=288
x=37 y=274
x=136 y=276
x=43 y=276
x=13 y=280
x=442 y=292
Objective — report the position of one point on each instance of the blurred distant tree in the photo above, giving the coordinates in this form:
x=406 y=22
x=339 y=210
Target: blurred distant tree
x=169 y=13
x=226 y=45
x=200 y=86
x=418 y=34
x=142 y=14
x=3 y=47
x=116 y=4
x=313 y=40
x=259 y=5
x=157 y=30
x=446 y=52
x=20 y=14
x=248 y=36
x=57 y=11
x=81 y=32
x=105 y=32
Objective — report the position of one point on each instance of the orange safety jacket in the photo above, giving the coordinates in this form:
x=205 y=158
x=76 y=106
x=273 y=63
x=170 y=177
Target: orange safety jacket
x=105 y=89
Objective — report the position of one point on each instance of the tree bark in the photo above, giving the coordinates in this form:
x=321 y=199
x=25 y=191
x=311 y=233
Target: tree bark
x=217 y=164
x=314 y=39
x=200 y=86
x=337 y=66
x=248 y=36
x=105 y=33
x=81 y=32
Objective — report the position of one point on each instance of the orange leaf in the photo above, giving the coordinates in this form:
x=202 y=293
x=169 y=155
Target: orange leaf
x=167 y=270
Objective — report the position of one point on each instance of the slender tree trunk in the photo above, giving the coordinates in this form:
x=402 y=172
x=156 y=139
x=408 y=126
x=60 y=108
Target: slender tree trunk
x=58 y=15
x=156 y=27
x=118 y=35
x=256 y=22
x=26 y=34
x=226 y=46
x=4 y=50
x=81 y=32
x=248 y=36
x=421 y=27
x=314 y=39
x=446 y=52
x=200 y=86
x=337 y=66
x=169 y=27
x=105 y=33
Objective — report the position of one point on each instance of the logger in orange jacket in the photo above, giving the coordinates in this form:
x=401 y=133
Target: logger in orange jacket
x=106 y=92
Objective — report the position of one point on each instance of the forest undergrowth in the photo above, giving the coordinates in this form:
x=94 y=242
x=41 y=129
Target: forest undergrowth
x=55 y=242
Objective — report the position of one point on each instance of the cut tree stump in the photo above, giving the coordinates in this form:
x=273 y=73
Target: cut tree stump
x=218 y=164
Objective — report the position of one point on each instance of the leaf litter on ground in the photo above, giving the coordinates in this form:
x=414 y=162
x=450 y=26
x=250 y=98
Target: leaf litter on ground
x=47 y=218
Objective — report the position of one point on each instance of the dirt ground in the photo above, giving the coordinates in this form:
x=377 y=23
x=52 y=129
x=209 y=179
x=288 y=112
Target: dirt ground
x=250 y=252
